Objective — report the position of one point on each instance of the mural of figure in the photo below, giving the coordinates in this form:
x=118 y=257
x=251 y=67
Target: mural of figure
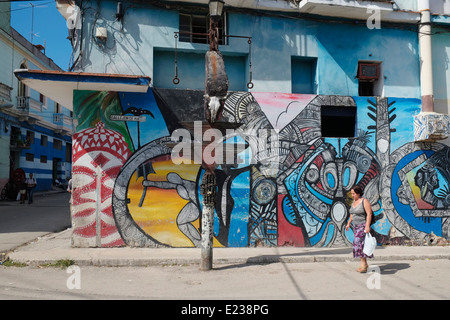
x=190 y=212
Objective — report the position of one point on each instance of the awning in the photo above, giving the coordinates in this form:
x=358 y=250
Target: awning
x=59 y=85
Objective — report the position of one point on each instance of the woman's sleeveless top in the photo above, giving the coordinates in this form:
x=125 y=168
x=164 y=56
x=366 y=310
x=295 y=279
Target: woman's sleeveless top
x=359 y=214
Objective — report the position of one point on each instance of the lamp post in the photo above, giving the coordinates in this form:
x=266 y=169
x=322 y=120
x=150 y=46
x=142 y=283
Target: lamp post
x=216 y=87
x=215 y=14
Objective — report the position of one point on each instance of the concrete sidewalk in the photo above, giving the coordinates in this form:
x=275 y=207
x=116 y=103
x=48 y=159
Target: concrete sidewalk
x=57 y=246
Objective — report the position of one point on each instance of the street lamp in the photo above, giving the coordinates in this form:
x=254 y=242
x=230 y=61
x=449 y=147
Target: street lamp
x=216 y=9
x=215 y=14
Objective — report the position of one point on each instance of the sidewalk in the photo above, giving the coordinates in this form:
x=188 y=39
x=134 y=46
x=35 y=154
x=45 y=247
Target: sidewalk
x=53 y=247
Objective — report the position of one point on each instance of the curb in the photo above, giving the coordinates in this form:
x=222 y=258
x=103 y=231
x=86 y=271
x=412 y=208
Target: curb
x=114 y=258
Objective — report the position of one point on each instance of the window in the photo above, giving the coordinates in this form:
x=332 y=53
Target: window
x=368 y=76
x=303 y=74
x=29 y=157
x=44 y=140
x=57 y=144
x=193 y=28
x=30 y=137
x=22 y=89
x=43 y=99
x=68 y=152
x=338 y=121
x=43 y=159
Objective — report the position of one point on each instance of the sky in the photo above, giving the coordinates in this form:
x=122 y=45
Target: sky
x=49 y=26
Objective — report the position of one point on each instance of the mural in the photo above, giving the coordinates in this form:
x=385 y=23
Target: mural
x=289 y=185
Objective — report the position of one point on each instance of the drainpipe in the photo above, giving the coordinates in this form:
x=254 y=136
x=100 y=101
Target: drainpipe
x=426 y=60
x=428 y=125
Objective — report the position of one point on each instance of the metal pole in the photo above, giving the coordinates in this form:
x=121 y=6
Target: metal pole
x=208 y=191
x=426 y=58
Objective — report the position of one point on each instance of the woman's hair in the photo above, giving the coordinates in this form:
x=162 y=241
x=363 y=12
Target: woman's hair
x=358 y=190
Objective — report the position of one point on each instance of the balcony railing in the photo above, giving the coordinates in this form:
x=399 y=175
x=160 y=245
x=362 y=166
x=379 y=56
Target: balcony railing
x=63 y=122
x=23 y=103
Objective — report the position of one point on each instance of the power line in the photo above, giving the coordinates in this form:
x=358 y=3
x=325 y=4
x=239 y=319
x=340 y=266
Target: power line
x=25 y=8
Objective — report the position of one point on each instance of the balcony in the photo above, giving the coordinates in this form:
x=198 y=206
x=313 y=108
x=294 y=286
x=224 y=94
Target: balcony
x=27 y=109
x=23 y=104
x=64 y=124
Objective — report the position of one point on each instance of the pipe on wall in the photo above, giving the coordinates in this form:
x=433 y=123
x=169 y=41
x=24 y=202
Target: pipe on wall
x=426 y=60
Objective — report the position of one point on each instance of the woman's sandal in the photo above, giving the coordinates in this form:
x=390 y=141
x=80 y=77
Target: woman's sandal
x=362 y=269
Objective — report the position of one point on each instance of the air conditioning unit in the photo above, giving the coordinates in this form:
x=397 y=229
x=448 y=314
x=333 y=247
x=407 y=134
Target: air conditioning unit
x=368 y=71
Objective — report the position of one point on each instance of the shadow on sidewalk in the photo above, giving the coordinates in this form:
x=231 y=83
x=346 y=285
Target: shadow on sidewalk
x=282 y=257
x=392 y=268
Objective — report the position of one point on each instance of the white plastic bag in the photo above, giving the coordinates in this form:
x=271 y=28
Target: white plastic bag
x=369 y=244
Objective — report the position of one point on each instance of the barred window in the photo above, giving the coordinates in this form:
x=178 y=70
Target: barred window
x=194 y=26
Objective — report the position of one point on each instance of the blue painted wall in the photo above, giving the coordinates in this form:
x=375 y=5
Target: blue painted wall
x=145 y=45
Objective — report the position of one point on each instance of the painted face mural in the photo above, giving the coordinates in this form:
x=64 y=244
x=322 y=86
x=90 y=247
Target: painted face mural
x=289 y=185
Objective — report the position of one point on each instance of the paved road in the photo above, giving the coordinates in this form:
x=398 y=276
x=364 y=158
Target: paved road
x=21 y=223
x=405 y=279
x=421 y=279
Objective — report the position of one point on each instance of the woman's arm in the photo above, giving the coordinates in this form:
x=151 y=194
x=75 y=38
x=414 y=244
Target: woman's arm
x=368 y=209
x=349 y=222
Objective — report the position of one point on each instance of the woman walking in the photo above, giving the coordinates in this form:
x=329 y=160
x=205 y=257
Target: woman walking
x=360 y=216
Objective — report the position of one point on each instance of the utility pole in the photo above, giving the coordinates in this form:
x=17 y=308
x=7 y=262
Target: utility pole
x=216 y=87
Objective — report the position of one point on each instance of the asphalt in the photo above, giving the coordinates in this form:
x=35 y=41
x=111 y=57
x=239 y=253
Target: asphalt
x=56 y=247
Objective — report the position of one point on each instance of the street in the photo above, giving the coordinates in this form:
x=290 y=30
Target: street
x=422 y=279
x=21 y=223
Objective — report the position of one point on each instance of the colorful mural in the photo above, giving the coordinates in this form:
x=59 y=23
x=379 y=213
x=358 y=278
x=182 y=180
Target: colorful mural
x=293 y=192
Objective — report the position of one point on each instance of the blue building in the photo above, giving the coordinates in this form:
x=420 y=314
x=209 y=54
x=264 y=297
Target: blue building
x=323 y=95
x=35 y=131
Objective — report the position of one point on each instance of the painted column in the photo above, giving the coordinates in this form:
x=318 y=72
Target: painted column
x=426 y=61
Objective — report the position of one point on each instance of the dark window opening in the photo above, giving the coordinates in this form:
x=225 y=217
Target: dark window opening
x=30 y=137
x=194 y=27
x=368 y=75
x=57 y=144
x=44 y=140
x=68 y=152
x=365 y=88
x=338 y=121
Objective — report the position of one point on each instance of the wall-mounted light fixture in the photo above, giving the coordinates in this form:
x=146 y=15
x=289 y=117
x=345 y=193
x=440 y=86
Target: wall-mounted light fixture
x=119 y=11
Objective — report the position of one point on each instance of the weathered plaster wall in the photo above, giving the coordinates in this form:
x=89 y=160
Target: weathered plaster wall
x=145 y=44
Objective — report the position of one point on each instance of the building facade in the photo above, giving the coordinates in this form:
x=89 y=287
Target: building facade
x=35 y=131
x=322 y=96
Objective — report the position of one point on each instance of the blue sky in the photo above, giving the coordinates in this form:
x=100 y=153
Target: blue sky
x=49 y=26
